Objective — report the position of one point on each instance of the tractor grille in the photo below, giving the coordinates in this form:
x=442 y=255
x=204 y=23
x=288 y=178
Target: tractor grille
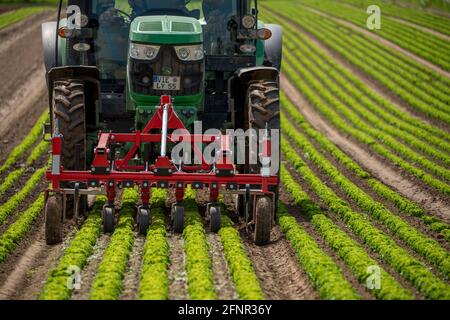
x=191 y=73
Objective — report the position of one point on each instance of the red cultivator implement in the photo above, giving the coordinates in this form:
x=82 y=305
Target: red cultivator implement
x=110 y=172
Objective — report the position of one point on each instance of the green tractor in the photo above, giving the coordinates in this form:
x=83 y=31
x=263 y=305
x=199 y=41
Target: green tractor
x=111 y=63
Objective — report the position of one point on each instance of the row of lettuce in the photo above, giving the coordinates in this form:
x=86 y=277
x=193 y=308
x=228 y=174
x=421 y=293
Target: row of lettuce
x=426 y=45
x=422 y=152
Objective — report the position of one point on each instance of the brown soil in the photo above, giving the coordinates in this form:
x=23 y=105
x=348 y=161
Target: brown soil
x=278 y=270
x=430 y=200
x=177 y=271
x=222 y=281
x=133 y=275
x=23 y=95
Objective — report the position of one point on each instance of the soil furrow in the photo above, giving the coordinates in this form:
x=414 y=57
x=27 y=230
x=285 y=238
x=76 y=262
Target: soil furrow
x=177 y=271
x=278 y=270
x=89 y=271
x=133 y=274
x=221 y=276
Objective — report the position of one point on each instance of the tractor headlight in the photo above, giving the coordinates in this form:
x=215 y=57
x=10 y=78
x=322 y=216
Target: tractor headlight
x=190 y=53
x=143 y=51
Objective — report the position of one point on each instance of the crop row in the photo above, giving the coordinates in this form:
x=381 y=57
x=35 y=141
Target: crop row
x=410 y=127
x=325 y=275
x=198 y=262
x=375 y=127
x=9 y=18
x=348 y=100
x=360 y=135
x=356 y=258
x=419 y=242
x=108 y=281
x=13 y=176
x=76 y=255
x=370 y=59
x=403 y=204
x=388 y=250
x=30 y=139
x=239 y=265
x=9 y=206
x=423 y=44
x=417 y=16
x=409 y=69
x=17 y=230
x=154 y=284
x=429 y=91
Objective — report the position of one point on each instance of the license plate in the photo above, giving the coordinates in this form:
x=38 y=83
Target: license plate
x=166 y=83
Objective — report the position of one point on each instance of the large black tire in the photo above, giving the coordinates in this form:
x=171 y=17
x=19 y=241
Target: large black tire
x=54 y=220
x=69 y=118
x=215 y=219
x=263 y=111
x=178 y=218
x=263 y=221
x=143 y=220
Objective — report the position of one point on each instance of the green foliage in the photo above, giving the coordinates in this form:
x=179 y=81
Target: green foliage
x=239 y=265
x=154 y=284
x=79 y=250
x=386 y=192
x=408 y=79
x=357 y=259
x=325 y=275
x=16 y=231
x=198 y=262
x=395 y=256
x=31 y=138
x=419 y=242
x=9 y=206
x=11 y=17
x=108 y=281
x=13 y=176
x=423 y=44
x=361 y=135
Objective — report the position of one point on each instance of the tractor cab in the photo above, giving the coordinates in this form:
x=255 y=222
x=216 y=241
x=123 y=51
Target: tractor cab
x=140 y=69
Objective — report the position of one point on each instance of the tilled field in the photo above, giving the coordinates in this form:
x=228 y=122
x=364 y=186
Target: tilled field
x=364 y=210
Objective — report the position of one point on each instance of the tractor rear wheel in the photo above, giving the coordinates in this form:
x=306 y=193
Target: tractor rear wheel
x=263 y=111
x=69 y=119
x=54 y=219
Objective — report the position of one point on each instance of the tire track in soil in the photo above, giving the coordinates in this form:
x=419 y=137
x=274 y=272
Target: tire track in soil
x=430 y=200
x=177 y=271
x=221 y=276
x=26 y=271
x=133 y=274
x=382 y=41
x=278 y=270
x=90 y=270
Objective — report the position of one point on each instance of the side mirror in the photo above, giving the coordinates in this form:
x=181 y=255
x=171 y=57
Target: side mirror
x=195 y=13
